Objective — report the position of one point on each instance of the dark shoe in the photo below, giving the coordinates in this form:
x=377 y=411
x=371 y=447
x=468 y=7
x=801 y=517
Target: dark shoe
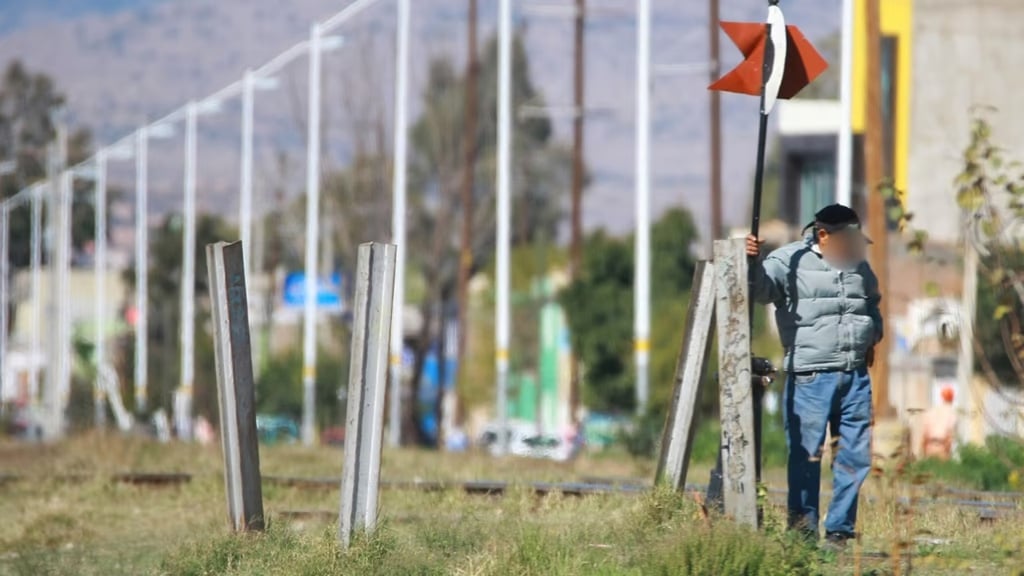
x=836 y=541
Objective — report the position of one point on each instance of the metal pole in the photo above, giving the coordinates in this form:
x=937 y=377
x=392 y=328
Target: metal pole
x=578 y=174
x=141 y=267
x=312 y=240
x=504 y=240
x=37 y=308
x=5 y=240
x=642 y=290
x=364 y=419
x=63 y=266
x=188 y=278
x=716 y=126
x=245 y=204
x=100 y=271
x=398 y=232
x=844 y=148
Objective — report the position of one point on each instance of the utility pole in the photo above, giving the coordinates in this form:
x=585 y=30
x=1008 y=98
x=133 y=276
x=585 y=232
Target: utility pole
x=577 y=185
x=715 y=70
x=468 y=168
x=877 y=220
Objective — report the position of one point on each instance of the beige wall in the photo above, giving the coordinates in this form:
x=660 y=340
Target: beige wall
x=966 y=53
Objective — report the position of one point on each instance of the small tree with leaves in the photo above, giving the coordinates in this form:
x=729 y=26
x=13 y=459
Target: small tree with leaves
x=990 y=191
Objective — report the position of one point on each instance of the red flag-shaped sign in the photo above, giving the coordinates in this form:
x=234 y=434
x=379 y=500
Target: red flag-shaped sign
x=803 y=63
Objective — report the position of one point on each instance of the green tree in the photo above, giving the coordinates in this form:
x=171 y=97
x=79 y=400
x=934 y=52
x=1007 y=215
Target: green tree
x=279 y=386
x=599 y=306
x=990 y=191
x=29 y=102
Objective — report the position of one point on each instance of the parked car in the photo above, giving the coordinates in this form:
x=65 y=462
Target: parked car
x=333 y=436
x=526 y=441
x=276 y=429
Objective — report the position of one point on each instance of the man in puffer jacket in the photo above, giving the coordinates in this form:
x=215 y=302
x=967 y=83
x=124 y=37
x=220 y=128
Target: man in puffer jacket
x=826 y=306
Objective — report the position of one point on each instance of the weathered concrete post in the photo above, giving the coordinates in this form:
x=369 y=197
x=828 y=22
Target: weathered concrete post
x=735 y=388
x=368 y=372
x=680 y=425
x=235 y=386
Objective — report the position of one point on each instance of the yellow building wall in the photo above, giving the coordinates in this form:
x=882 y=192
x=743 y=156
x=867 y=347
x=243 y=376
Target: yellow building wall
x=896 y=20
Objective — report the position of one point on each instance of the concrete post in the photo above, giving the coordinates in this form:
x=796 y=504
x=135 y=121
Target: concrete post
x=735 y=383
x=368 y=375
x=235 y=385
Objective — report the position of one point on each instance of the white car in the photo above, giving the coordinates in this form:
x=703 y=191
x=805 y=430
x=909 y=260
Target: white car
x=525 y=440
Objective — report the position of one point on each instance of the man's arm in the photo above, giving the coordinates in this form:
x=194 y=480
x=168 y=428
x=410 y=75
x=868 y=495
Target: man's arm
x=769 y=274
x=874 y=299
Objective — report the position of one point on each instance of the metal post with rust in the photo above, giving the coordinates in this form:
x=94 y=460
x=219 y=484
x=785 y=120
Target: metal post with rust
x=368 y=374
x=235 y=386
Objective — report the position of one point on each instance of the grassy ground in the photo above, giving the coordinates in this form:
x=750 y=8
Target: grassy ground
x=88 y=525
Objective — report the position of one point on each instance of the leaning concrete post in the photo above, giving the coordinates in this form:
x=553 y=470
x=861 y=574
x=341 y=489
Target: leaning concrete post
x=364 y=424
x=235 y=386
x=735 y=391
x=680 y=425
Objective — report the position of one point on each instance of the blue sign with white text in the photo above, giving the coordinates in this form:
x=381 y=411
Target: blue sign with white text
x=328 y=291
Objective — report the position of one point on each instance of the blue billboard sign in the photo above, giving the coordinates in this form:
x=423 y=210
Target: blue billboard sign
x=328 y=291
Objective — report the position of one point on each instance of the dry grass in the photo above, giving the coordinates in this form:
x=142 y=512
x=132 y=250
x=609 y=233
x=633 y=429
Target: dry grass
x=90 y=526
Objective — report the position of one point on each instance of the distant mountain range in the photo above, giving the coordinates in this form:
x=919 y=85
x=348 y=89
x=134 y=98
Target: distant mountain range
x=122 y=61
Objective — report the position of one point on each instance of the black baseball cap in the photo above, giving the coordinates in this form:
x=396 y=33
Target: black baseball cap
x=837 y=218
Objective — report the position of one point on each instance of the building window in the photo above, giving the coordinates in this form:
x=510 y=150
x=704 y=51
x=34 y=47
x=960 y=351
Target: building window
x=890 y=53
x=817 y=185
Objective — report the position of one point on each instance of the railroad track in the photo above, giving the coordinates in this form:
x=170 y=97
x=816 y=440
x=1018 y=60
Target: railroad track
x=990 y=505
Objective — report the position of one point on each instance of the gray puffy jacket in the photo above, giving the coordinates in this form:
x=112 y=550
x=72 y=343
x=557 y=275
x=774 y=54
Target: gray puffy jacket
x=828 y=318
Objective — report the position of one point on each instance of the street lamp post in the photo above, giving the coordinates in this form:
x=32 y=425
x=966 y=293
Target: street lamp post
x=5 y=239
x=100 y=278
x=188 y=293
x=398 y=232
x=35 y=264
x=141 y=267
x=642 y=273
x=245 y=202
x=312 y=240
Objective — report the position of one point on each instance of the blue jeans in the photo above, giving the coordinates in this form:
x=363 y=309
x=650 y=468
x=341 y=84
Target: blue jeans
x=814 y=402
